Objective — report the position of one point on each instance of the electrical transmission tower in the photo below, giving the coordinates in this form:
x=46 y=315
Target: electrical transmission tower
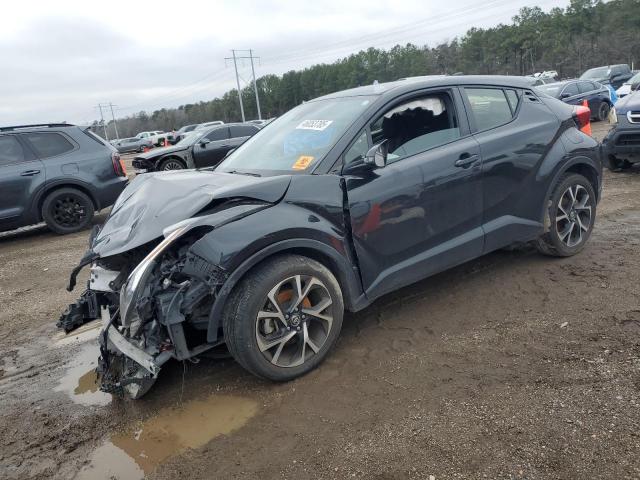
x=115 y=124
x=250 y=57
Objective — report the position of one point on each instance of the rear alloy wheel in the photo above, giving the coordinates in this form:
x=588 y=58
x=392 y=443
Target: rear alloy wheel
x=67 y=210
x=571 y=216
x=284 y=318
x=603 y=111
x=171 y=164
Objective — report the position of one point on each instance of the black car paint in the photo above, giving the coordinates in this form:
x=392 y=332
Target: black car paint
x=594 y=97
x=88 y=167
x=466 y=211
x=201 y=154
x=616 y=77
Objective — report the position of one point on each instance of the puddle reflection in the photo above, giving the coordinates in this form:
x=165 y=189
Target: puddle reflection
x=171 y=431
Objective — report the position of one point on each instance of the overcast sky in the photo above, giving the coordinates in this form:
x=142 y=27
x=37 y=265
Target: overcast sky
x=61 y=58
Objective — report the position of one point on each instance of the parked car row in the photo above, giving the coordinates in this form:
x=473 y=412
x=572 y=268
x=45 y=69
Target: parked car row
x=575 y=92
x=201 y=148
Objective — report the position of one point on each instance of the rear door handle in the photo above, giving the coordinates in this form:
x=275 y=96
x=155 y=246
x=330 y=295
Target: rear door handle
x=29 y=173
x=466 y=160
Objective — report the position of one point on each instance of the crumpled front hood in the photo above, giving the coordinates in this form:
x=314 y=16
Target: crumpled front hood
x=628 y=102
x=158 y=152
x=155 y=201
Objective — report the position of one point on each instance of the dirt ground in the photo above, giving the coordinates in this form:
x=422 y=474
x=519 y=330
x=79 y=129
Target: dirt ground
x=511 y=366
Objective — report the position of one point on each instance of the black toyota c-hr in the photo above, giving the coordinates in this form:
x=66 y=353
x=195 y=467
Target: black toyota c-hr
x=339 y=201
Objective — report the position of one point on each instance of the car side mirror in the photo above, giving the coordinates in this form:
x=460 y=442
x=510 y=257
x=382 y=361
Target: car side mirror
x=564 y=95
x=204 y=142
x=377 y=155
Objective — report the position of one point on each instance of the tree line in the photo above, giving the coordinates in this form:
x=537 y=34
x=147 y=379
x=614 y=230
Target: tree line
x=585 y=34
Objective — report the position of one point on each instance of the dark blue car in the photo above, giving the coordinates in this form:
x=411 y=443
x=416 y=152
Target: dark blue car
x=575 y=92
x=622 y=144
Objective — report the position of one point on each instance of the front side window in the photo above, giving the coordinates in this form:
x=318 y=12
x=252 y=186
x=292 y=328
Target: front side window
x=358 y=150
x=416 y=125
x=489 y=106
x=299 y=140
x=49 y=144
x=570 y=90
x=218 y=134
x=585 y=87
x=242 y=131
x=10 y=150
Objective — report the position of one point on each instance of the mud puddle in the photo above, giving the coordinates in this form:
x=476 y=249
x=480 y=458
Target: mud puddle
x=136 y=452
x=80 y=379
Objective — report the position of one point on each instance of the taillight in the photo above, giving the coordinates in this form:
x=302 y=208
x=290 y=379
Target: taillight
x=582 y=116
x=118 y=165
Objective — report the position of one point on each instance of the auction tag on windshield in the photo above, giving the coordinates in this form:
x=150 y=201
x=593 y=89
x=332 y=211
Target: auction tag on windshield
x=303 y=162
x=318 y=125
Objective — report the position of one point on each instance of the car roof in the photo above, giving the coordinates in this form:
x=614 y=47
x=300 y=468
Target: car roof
x=415 y=83
x=39 y=126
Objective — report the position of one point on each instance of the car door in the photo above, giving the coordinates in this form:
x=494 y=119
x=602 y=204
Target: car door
x=211 y=148
x=515 y=131
x=21 y=174
x=420 y=213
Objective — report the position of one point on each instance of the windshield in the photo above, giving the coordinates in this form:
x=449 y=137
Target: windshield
x=191 y=138
x=298 y=140
x=596 y=73
x=634 y=79
x=552 y=89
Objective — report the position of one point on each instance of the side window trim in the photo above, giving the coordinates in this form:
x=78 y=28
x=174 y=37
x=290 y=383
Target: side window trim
x=470 y=115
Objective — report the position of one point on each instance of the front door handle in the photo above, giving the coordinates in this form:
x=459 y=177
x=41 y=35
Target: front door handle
x=29 y=173
x=466 y=160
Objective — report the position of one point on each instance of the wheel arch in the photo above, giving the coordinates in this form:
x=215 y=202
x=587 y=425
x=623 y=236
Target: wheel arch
x=348 y=279
x=581 y=165
x=49 y=189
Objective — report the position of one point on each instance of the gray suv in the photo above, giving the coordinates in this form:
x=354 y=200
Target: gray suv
x=58 y=173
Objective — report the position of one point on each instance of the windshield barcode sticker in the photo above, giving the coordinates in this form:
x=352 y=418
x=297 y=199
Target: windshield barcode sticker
x=314 y=125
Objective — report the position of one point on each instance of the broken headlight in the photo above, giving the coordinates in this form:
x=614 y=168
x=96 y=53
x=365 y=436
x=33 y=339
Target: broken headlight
x=137 y=280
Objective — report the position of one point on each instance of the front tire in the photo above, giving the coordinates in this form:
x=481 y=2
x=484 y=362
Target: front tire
x=616 y=164
x=171 y=164
x=67 y=210
x=570 y=216
x=281 y=321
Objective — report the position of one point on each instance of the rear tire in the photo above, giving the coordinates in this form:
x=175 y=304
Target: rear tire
x=171 y=164
x=603 y=111
x=284 y=317
x=569 y=218
x=67 y=210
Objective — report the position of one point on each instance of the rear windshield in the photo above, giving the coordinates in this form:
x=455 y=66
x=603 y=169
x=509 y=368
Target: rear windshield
x=552 y=89
x=95 y=137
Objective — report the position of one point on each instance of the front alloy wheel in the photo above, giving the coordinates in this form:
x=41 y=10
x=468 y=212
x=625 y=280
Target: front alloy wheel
x=284 y=317
x=295 y=321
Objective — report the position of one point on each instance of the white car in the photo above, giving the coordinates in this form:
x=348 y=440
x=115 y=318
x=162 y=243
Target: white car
x=629 y=85
x=157 y=137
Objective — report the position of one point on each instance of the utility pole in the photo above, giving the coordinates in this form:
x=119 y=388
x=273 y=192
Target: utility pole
x=235 y=65
x=235 y=59
x=255 y=86
x=115 y=124
x=104 y=126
